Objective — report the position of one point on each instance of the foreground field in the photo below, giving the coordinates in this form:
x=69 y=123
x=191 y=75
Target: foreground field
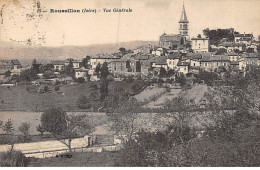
x=17 y=98
x=103 y=159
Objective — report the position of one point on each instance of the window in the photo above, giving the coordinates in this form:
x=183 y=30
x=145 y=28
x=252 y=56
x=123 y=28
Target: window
x=206 y=64
x=170 y=62
x=115 y=67
x=194 y=64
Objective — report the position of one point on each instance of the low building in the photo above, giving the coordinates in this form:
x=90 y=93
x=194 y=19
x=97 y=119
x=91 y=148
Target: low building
x=81 y=73
x=183 y=67
x=200 y=44
x=59 y=65
x=243 y=38
x=213 y=63
x=234 y=47
x=102 y=58
x=14 y=66
x=172 y=60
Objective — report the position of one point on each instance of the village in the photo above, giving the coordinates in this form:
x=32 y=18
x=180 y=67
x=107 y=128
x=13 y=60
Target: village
x=175 y=55
x=163 y=104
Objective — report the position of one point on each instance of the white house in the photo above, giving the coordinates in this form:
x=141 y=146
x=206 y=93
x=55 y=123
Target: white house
x=200 y=44
x=81 y=72
x=172 y=60
x=183 y=67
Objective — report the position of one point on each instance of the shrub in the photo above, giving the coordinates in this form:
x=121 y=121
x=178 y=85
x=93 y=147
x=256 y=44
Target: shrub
x=57 y=88
x=24 y=129
x=46 y=88
x=83 y=102
x=13 y=159
x=81 y=80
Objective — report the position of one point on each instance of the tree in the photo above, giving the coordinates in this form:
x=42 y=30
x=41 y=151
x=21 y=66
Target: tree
x=97 y=70
x=122 y=50
x=64 y=127
x=24 y=129
x=8 y=129
x=215 y=36
x=199 y=36
x=162 y=72
x=181 y=79
x=104 y=82
x=40 y=129
x=35 y=69
x=85 y=62
x=69 y=69
x=8 y=126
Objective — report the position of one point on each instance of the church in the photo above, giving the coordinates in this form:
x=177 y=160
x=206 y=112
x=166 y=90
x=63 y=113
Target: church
x=176 y=41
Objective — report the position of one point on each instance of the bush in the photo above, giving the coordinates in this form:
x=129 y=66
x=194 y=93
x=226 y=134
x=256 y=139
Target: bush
x=46 y=88
x=57 y=88
x=24 y=129
x=81 y=80
x=13 y=159
x=83 y=102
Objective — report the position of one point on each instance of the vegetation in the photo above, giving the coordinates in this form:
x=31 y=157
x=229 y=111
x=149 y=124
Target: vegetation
x=63 y=127
x=83 y=102
x=13 y=159
x=215 y=36
x=24 y=129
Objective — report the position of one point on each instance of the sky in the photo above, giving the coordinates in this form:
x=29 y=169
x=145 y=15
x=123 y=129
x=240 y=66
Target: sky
x=21 y=24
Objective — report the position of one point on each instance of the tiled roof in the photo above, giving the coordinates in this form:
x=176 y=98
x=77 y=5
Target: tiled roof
x=58 y=62
x=200 y=39
x=231 y=44
x=160 y=60
x=194 y=55
x=175 y=55
x=243 y=35
x=234 y=63
x=180 y=63
x=141 y=57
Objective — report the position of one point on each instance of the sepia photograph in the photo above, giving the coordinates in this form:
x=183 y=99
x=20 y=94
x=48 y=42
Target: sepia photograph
x=129 y=83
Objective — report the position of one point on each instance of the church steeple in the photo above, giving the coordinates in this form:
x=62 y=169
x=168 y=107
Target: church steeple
x=184 y=23
x=183 y=15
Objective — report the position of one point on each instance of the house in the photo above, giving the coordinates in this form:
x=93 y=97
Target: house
x=158 y=62
x=252 y=59
x=143 y=50
x=81 y=73
x=75 y=63
x=102 y=58
x=172 y=60
x=234 y=47
x=126 y=66
x=234 y=65
x=59 y=65
x=183 y=67
x=200 y=44
x=14 y=66
x=243 y=38
x=193 y=59
x=233 y=56
x=212 y=63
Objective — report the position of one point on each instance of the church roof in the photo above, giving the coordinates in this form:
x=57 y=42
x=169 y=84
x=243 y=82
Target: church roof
x=183 y=15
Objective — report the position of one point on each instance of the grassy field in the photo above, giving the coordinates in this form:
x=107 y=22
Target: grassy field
x=103 y=159
x=18 y=99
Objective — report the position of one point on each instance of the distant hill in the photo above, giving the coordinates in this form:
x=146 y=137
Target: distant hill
x=45 y=54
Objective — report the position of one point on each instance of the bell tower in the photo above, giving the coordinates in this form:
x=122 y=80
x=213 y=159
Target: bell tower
x=184 y=24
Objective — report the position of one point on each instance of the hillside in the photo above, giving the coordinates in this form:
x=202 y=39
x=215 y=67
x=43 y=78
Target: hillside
x=44 y=54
